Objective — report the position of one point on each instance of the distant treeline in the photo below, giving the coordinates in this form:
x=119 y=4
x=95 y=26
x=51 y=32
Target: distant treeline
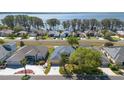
x=27 y=22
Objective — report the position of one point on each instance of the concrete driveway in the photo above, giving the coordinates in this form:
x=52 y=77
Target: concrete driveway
x=38 y=70
x=54 y=71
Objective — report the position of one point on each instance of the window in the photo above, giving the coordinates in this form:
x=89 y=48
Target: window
x=123 y=63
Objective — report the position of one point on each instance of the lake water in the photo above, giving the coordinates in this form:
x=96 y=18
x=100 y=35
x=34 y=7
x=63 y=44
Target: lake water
x=65 y=16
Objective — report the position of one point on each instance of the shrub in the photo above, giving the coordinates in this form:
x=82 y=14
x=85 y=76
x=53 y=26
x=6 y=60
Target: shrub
x=25 y=36
x=107 y=44
x=47 y=68
x=11 y=36
x=26 y=77
x=113 y=67
x=62 y=71
x=22 y=43
x=40 y=63
x=2 y=41
x=2 y=63
x=119 y=72
x=69 y=69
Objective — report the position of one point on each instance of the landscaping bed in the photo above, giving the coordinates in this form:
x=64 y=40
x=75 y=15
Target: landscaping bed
x=25 y=77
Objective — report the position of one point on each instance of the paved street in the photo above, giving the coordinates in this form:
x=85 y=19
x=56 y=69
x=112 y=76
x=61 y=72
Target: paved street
x=54 y=77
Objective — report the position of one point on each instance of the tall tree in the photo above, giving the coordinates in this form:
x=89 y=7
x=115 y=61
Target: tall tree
x=66 y=24
x=93 y=24
x=87 y=60
x=74 y=24
x=73 y=41
x=9 y=21
x=106 y=24
x=53 y=23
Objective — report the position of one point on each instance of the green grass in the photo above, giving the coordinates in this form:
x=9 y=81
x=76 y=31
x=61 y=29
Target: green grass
x=115 y=68
x=64 y=42
x=115 y=39
x=118 y=72
x=92 y=38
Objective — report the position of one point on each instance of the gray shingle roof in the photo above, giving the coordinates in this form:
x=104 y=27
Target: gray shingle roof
x=56 y=55
x=28 y=50
x=117 y=53
x=3 y=53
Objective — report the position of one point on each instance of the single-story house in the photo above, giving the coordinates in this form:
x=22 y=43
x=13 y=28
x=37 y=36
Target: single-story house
x=10 y=46
x=41 y=32
x=7 y=50
x=120 y=33
x=56 y=55
x=54 y=34
x=65 y=34
x=115 y=54
x=6 y=32
x=22 y=33
x=32 y=53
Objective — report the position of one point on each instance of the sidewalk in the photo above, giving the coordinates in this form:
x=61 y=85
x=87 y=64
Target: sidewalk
x=108 y=72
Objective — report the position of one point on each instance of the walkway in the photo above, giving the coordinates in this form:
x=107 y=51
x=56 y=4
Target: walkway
x=54 y=71
x=108 y=71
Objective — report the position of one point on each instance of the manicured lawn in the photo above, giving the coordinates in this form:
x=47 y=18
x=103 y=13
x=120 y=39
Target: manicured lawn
x=51 y=43
x=92 y=38
x=115 y=38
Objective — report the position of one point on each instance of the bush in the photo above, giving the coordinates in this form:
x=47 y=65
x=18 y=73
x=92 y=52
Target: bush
x=114 y=67
x=18 y=28
x=25 y=36
x=26 y=77
x=22 y=44
x=47 y=68
x=119 y=72
x=2 y=62
x=107 y=44
x=12 y=36
x=62 y=71
x=69 y=69
x=2 y=41
x=40 y=63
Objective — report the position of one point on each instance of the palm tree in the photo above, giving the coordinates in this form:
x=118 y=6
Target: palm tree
x=24 y=63
x=74 y=24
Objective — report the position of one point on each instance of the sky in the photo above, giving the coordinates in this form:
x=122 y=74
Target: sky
x=67 y=15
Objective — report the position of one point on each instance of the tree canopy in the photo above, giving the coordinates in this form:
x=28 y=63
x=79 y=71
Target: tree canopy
x=73 y=41
x=87 y=60
x=23 y=20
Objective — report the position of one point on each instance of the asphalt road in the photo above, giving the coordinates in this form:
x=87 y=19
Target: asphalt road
x=11 y=77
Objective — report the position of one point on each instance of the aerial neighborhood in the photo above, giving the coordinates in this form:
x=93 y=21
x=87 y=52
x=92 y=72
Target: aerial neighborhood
x=77 y=48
